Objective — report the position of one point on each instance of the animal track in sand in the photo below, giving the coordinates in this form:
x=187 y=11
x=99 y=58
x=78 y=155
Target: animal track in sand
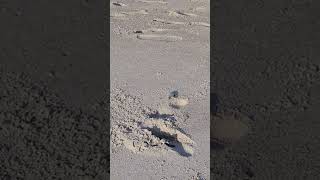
x=169 y=22
x=122 y=15
x=180 y=13
x=118 y=4
x=200 y=24
x=143 y=12
x=201 y=9
x=116 y=15
x=182 y=23
x=159 y=2
x=151 y=30
x=155 y=37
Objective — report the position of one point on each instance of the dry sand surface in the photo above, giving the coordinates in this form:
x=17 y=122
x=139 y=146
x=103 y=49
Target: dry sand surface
x=160 y=115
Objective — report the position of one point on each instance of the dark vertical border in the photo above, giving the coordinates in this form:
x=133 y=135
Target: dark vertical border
x=213 y=107
x=265 y=65
x=54 y=89
x=107 y=117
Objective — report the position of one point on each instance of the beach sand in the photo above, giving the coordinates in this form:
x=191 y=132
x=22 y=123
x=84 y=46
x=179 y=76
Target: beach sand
x=158 y=47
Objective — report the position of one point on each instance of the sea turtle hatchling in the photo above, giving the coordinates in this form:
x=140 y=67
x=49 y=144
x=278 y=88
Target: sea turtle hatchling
x=177 y=101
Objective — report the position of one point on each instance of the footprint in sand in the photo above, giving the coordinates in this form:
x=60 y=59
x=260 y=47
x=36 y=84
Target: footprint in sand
x=227 y=128
x=155 y=37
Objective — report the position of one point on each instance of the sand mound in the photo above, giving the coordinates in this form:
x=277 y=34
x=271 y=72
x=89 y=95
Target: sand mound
x=140 y=129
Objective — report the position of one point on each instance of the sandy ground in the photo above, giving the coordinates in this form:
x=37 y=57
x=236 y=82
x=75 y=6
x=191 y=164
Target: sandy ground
x=158 y=47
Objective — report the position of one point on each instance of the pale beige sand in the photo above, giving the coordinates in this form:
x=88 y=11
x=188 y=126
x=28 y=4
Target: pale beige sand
x=158 y=47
